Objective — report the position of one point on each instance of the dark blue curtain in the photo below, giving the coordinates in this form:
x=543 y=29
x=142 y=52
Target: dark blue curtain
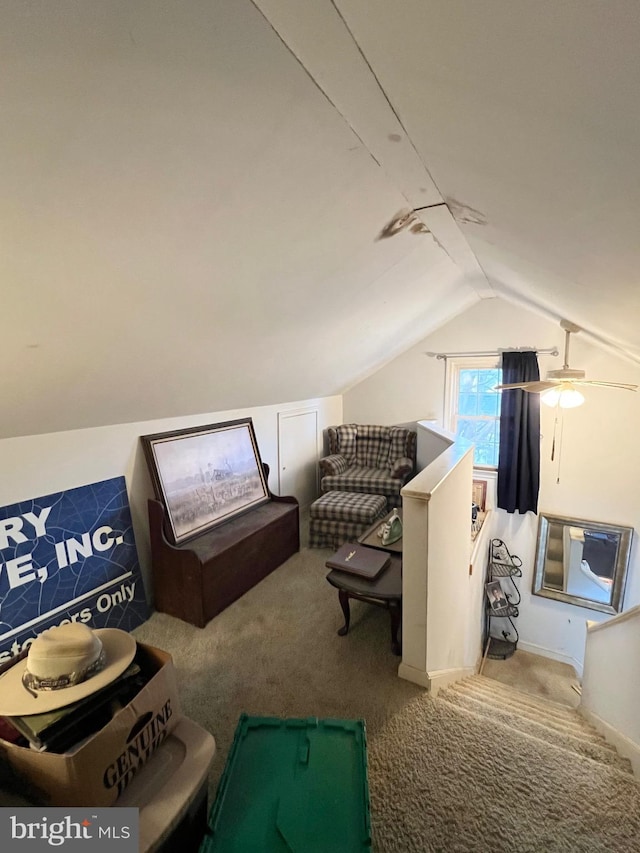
x=519 y=460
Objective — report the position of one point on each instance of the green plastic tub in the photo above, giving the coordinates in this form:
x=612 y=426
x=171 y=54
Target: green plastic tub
x=292 y=785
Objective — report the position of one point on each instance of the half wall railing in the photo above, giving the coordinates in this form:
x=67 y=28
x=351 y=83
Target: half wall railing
x=610 y=683
x=441 y=633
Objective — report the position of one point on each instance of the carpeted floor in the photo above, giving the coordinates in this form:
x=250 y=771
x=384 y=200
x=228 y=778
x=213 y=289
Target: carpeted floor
x=444 y=775
x=549 y=679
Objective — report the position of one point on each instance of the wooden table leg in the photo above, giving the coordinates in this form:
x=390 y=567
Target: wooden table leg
x=344 y=603
x=395 y=611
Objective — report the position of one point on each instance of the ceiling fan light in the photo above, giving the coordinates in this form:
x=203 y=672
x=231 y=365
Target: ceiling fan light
x=551 y=397
x=566 y=398
x=570 y=398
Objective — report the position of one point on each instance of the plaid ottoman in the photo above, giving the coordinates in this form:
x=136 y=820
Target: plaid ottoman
x=337 y=517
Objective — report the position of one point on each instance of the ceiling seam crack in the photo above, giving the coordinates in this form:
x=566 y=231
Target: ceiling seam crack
x=318 y=86
x=384 y=94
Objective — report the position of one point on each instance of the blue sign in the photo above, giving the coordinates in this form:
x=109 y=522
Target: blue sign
x=68 y=557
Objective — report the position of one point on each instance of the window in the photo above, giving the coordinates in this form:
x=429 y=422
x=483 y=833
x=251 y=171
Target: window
x=473 y=407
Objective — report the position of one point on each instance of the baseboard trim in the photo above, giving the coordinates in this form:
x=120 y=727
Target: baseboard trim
x=444 y=677
x=550 y=653
x=626 y=747
x=417 y=676
x=437 y=680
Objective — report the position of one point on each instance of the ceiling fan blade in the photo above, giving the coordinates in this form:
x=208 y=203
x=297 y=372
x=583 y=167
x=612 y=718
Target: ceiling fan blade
x=532 y=387
x=622 y=385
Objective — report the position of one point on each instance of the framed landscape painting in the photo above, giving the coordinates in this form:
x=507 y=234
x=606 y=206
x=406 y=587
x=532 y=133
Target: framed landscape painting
x=206 y=475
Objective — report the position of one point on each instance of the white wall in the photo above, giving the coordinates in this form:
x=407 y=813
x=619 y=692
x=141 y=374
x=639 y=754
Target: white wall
x=611 y=687
x=431 y=441
x=600 y=460
x=37 y=465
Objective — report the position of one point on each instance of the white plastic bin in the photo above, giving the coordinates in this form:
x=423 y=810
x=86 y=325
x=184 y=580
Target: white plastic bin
x=171 y=791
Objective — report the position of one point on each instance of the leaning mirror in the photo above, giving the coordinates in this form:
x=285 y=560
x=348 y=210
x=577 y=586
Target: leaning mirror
x=582 y=562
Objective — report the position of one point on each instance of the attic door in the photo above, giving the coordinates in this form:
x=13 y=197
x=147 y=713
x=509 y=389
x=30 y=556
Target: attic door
x=298 y=454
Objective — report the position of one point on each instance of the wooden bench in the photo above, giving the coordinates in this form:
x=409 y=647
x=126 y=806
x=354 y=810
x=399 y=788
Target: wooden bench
x=196 y=580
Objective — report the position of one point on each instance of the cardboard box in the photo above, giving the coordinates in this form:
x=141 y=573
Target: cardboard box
x=98 y=771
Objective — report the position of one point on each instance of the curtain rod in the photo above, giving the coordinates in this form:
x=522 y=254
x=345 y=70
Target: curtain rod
x=444 y=355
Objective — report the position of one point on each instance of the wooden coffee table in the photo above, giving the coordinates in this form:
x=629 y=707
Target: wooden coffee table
x=371 y=539
x=385 y=591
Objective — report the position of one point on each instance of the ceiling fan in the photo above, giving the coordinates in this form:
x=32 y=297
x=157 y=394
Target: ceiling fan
x=561 y=386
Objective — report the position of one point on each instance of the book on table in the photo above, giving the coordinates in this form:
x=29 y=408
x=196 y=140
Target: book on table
x=368 y=563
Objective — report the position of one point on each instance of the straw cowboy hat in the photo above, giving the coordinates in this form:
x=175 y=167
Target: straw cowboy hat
x=64 y=664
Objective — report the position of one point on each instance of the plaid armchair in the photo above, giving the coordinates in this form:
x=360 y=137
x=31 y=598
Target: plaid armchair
x=369 y=458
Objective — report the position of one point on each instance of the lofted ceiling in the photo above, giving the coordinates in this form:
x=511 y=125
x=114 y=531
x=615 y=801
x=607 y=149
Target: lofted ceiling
x=191 y=191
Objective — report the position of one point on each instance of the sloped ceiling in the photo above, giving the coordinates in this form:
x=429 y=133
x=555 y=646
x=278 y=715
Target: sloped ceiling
x=191 y=191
